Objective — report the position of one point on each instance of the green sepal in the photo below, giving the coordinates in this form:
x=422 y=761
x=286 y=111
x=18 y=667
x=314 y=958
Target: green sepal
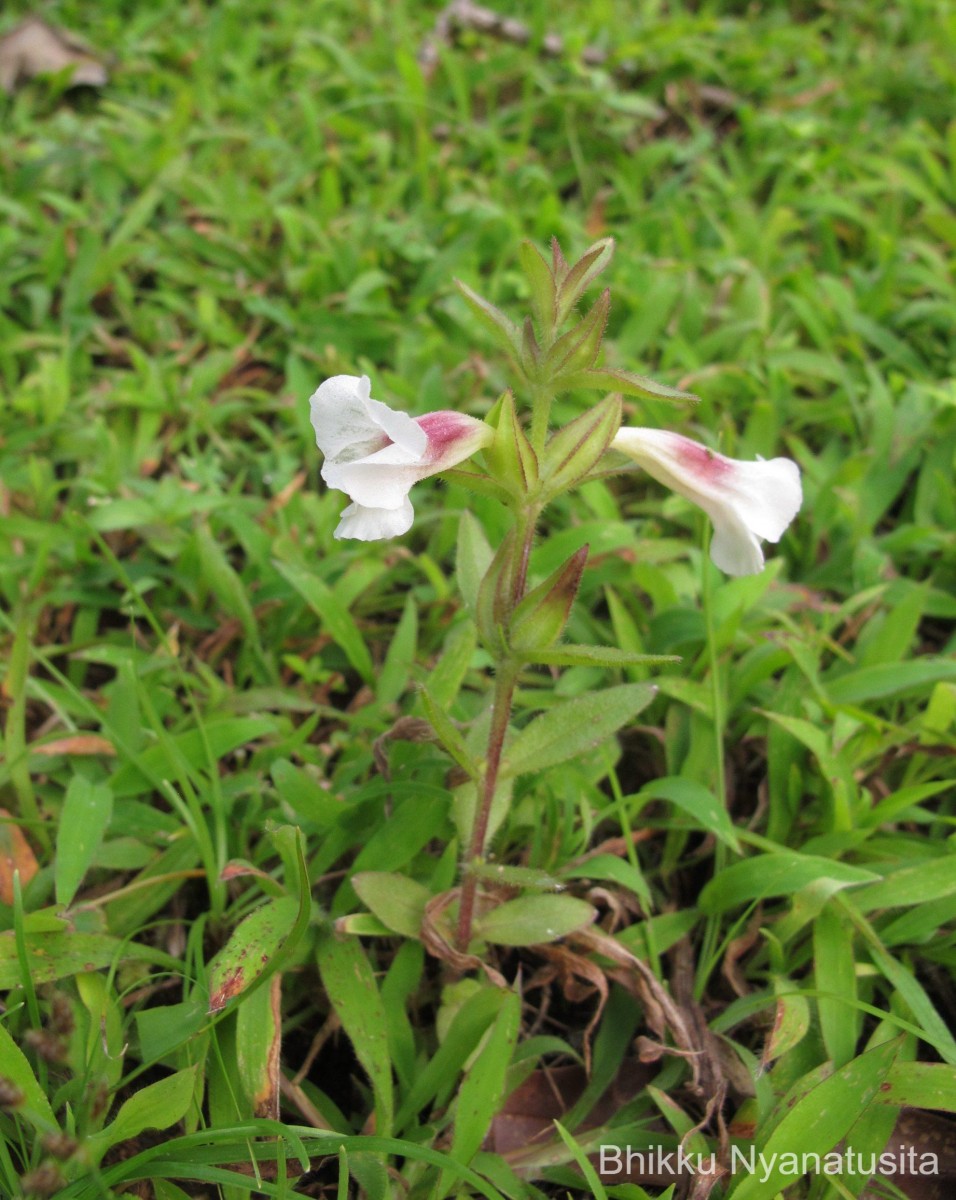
x=495 y=597
x=626 y=382
x=576 y=279
x=510 y=458
x=492 y=318
x=578 y=349
x=577 y=448
x=476 y=482
x=541 y=284
x=597 y=656
x=540 y=618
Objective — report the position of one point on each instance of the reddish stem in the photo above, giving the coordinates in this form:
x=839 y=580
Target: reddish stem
x=500 y=716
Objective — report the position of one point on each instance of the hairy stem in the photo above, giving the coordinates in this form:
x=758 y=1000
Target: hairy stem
x=500 y=715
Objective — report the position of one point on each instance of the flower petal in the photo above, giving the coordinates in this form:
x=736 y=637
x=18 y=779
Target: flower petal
x=373 y=524
x=373 y=484
x=745 y=501
x=349 y=424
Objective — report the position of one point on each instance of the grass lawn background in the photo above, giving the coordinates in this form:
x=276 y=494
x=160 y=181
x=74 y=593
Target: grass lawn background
x=192 y=669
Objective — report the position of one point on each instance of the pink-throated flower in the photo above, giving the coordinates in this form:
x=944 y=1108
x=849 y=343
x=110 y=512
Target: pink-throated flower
x=746 y=501
x=374 y=454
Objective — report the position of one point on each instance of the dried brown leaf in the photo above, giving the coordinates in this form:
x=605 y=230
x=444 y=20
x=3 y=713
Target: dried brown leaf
x=34 y=48
x=15 y=855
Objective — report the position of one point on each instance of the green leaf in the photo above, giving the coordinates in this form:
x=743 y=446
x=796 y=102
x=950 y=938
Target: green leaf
x=779 y=873
x=333 y=616
x=698 y=802
x=532 y=920
x=258 y=1041
x=467 y=1028
x=400 y=658
x=814 y=1120
x=15 y=1066
x=350 y=983
x=593 y=1180
x=888 y=679
x=930 y=880
x=483 y=1088
x=574 y=727
x=540 y=283
x=472 y=559
x=448 y=674
x=304 y=795
x=224 y=582
x=598 y=656
x=572 y=286
x=575 y=449
x=506 y=332
x=252 y=946
x=920 y=1085
x=625 y=382
x=55 y=956
x=157 y=1106
x=397 y=901
x=791 y=1024
x=530 y=878
x=448 y=735
x=87 y=808
x=834 y=970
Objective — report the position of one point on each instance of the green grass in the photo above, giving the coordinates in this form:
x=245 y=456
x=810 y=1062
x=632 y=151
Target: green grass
x=267 y=194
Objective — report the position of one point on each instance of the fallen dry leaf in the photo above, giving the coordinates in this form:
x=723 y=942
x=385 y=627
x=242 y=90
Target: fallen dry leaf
x=15 y=855
x=78 y=744
x=35 y=48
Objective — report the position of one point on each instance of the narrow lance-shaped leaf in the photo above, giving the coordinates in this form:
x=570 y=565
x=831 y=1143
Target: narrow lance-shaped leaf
x=86 y=812
x=448 y=735
x=597 y=656
x=492 y=318
x=541 y=282
x=575 y=727
x=626 y=382
x=350 y=983
x=472 y=559
x=815 y=1120
x=573 y=286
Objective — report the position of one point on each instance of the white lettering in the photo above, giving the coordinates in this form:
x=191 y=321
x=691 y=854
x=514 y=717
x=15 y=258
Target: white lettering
x=605 y=1165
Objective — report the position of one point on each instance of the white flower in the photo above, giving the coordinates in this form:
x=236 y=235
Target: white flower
x=746 y=501
x=375 y=454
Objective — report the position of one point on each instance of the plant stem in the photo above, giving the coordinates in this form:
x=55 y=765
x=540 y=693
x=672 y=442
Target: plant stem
x=500 y=716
